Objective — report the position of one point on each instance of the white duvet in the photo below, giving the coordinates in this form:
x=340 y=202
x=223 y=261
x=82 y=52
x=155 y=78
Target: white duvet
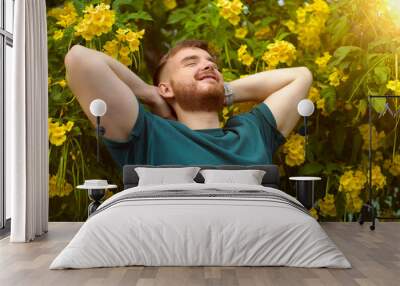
x=183 y=231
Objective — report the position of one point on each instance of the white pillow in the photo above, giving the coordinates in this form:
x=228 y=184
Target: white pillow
x=249 y=177
x=163 y=176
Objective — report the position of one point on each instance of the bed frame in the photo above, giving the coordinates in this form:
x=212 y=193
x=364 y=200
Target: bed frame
x=270 y=179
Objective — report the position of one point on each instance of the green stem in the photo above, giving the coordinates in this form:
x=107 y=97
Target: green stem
x=395 y=137
x=369 y=21
x=364 y=76
x=227 y=54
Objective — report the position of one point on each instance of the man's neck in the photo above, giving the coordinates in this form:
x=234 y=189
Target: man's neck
x=198 y=119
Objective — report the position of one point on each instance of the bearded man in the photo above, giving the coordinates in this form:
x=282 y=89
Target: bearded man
x=188 y=91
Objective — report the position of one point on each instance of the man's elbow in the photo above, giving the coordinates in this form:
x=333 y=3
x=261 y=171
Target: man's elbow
x=306 y=74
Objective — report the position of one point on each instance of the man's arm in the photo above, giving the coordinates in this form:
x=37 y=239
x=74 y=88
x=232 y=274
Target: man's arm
x=92 y=74
x=280 y=89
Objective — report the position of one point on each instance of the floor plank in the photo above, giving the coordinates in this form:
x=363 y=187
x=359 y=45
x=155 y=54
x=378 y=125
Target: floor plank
x=374 y=255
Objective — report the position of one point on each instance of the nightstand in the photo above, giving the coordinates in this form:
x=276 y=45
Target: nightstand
x=305 y=189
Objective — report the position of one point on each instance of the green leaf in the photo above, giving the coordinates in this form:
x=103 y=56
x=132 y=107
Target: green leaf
x=339 y=29
x=313 y=168
x=378 y=104
x=341 y=53
x=331 y=167
x=356 y=147
x=381 y=74
x=339 y=139
x=143 y=15
x=178 y=15
x=130 y=5
x=329 y=93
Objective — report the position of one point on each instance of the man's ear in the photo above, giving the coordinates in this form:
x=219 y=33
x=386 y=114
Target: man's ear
x=165 y=90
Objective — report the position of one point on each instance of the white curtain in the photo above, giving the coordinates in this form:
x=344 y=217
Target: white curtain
x=26 y=124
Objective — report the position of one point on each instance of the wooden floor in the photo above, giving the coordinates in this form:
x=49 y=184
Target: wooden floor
x=374 y=255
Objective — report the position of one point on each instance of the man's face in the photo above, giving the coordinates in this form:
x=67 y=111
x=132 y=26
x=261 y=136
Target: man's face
x=195 y=80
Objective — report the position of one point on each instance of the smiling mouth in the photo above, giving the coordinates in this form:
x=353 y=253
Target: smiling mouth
x=208 y=78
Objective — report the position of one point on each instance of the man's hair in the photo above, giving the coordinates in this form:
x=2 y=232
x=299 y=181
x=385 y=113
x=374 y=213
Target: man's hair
x=179 y=46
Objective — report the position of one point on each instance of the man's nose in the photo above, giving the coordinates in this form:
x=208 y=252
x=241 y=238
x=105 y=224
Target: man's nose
x=208 y=66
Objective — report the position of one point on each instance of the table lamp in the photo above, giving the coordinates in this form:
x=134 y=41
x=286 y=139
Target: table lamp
x=98 y=108
x=305 y=108
x=97 y=188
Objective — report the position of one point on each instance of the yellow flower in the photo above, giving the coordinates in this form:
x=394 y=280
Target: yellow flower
x=57 y=132
x=311 y=19
x=230 y=10
x=240 y=33
x=96 y=21
x=279 y=51
x=294 y=150
x=352 y=181
x=124 y=52
x=243 y=56
x=314 y=213
x=65 y=16
x=111 y=48
x=62 y=83
x=314 y=94
x=69 y=125
x=290 y=25
x=121 y=34
x=327 y=205
x=353 y=203
x=262 y=33
x=378 y=179
x=64 y=189
x=125 y=60
x=394 y=85
x=393 y=165
x=377 y=138
x=337 y=76
x=323 y=61
x=58 y=34
x=169 y=4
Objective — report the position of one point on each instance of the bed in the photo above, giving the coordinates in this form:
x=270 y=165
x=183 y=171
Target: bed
x=201 y=224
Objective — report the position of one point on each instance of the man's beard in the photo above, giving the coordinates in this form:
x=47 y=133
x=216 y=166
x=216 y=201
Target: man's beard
x=190 y=98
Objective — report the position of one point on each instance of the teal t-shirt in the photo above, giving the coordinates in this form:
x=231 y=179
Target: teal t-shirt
x=247 y=138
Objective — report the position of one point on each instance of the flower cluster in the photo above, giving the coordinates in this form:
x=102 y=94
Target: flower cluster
x=337 y=76
x=279 y=52
x=230 y=10
x=327 y=205
x=294 y=150
x=315 y=96
x=263 y=33
x=314 y=213
x=394 y=85
x=64 y=190
x=351 y=183
x=126 y=43
x=240 y=33
x=311 y=20
x=376 y=137
x=393 y=165
x=96 y=21
x=65 y=16
x=244 y=56
x=57 y=132
x=323 y=61
x=378 y=179
x=169 y=4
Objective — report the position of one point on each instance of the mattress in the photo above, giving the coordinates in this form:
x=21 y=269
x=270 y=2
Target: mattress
x=201 y=225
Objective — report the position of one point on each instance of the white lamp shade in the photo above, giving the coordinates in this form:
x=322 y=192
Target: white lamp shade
x=98 y=107
x=305 y=107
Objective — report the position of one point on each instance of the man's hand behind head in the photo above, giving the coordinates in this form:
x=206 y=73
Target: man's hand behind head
x=159 y=106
